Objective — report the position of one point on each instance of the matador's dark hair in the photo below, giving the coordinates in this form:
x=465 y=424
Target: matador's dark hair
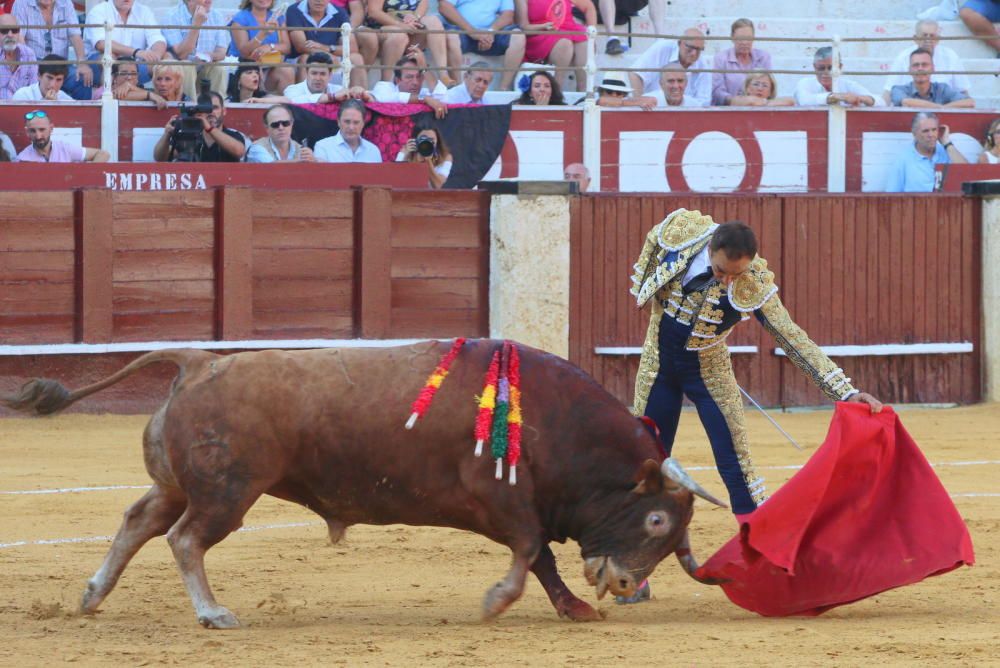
x=735 y=238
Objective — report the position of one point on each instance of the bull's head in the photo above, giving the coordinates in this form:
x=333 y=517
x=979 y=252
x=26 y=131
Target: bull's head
x=649 y=524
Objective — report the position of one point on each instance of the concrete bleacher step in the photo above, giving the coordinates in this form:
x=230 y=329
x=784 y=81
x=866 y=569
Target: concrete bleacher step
x=825 y=9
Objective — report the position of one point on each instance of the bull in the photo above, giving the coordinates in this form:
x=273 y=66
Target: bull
x=324 y=429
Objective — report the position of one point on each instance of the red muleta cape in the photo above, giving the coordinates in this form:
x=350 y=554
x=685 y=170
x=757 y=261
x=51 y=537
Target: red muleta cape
x=865 y=514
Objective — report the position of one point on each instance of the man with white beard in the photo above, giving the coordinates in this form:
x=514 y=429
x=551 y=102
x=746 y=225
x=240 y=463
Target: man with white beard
x=13 y=74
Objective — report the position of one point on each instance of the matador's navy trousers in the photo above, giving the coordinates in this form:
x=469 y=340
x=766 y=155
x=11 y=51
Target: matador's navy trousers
x=680 y=374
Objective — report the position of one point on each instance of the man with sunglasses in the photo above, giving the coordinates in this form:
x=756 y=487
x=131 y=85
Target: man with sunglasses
x=278 y=145
x=43 y=148
x=57 y=37
x=688 y=53
x=821 y=89
x=14 y=75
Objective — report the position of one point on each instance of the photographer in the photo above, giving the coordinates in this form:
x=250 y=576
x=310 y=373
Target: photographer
x=215 y=143
x=427 y=146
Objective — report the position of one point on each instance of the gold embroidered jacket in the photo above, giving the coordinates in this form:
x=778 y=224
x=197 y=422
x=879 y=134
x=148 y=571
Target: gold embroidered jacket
x=714 y=311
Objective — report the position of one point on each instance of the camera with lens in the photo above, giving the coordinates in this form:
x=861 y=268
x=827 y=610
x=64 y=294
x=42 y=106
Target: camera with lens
x=426 y=146
x=186 y=140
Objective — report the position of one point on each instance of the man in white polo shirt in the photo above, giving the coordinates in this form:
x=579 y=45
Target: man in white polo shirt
x=147 y=45
x=49 y=84
x=686 y=52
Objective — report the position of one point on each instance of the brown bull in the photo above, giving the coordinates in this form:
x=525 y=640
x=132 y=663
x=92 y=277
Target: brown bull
x=324 y=429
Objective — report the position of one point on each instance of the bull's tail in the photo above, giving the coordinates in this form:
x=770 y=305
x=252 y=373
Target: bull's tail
x=42 y=396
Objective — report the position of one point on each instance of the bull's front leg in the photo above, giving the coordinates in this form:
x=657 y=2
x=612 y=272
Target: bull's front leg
x=501 y=595
x=564 y=601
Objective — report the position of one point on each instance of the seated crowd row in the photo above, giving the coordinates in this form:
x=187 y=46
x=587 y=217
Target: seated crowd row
x=252 y=58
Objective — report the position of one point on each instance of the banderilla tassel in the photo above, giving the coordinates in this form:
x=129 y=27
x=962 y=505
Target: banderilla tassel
x=426 y=395
x=513 y=475
x=499 y=473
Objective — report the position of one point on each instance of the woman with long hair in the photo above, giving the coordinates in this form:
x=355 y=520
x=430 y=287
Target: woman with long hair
x=991 y=147
x=255 y=38
x=426 y=145
x=540 y=89
x=244 y=85
x=168 y=82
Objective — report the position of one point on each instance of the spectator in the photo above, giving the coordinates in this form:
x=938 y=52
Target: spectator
x=541 y=89
x=124 y=84
x=348 y=145
x=760 y=90
x=49 y=84
x=319 y=71
x=737 y=60
x=244 y=85
x=991 y=147
x=687 y=52
x=922 y=91
x=673 y=84
x=913 y=169
x=218 y=143
x=409 y=16
x=7 y=151
x=608 y=12
x=53 y=39
x=200 y=45
x=927 y=36
x=256 y=39
x=168 y=82
x=492 y=33
x=43 y=148
x=407 y=85
x=563 y=51
x=313 y=14
x=437 y=157
x=820 y=89
x=614 y=92
x=14 y=75
x=578 y=172
x=474 y=85
x=278 y=145
x=146 y=45
x=979 y=17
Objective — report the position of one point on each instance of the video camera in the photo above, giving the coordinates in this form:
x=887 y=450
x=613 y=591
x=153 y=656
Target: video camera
x=187 y=140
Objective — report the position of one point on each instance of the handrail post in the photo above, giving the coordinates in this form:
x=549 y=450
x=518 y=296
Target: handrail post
x=109 y=105
x=345 y=59
x=836 y=132
x=592 y=115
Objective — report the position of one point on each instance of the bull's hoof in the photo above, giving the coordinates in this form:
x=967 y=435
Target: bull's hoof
x=220 y=619
x=496 y=601
x=580 y=611
x=91 y=599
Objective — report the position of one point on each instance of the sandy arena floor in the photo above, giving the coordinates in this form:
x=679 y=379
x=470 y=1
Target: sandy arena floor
x=400 y=595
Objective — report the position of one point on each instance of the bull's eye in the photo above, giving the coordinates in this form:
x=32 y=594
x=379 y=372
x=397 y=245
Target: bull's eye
x=657 y=523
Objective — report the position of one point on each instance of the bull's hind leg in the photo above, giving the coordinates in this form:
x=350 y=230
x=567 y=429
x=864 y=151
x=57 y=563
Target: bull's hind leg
x=564 y=601
x=150 y=516
x=206 y=522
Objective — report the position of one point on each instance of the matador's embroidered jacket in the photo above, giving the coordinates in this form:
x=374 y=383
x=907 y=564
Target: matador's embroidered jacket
x=714 y=311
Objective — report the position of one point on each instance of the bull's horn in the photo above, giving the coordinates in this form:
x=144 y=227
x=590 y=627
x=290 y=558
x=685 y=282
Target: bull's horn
x=690 y=564
x=673 y=470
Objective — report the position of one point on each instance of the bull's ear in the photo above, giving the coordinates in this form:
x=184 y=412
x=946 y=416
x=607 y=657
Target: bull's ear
x=649 y=479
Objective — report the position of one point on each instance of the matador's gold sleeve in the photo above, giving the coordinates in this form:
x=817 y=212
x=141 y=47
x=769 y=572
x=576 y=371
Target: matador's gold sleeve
x=803 y=353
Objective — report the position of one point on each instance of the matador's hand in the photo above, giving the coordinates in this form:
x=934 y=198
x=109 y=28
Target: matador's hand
x=873 y=403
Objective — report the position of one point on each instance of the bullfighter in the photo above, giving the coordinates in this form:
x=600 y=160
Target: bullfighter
x=702 y=278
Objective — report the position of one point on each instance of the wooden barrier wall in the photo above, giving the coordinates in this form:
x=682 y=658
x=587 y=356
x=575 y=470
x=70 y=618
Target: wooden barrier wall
x=234 y=264
x=852 y=270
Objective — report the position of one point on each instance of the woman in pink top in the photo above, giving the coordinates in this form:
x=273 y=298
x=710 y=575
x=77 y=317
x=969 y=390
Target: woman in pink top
x=739 y=59
x=563 y=51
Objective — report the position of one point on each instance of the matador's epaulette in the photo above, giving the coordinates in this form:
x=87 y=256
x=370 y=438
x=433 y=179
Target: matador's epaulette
x=753 y=287
x=667 y=249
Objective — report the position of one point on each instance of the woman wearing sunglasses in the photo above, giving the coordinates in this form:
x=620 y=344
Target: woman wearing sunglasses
x=278 y=145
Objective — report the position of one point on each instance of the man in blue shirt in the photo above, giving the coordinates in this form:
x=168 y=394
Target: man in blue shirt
x=491 y=23
x=922 y=92
x=913 y=170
